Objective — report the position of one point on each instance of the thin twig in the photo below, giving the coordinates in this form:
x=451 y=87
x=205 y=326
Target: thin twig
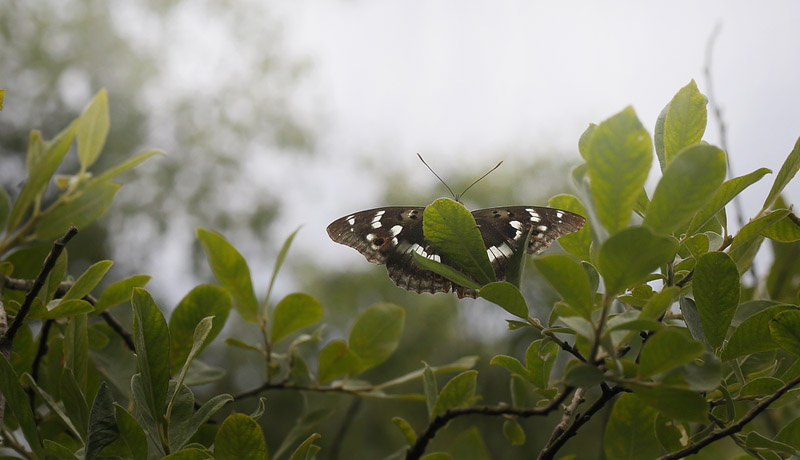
x=577 y=399
x=47 y=267
x=736 y=427
x=608 y=394
x=40 y=352
x=117 y=327
x=415 y=452
x=347 y=422
x=552 y=336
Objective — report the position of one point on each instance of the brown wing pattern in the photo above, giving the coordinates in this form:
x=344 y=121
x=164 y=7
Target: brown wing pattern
x=390 y=235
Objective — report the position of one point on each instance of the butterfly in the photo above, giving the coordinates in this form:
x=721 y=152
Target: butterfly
x=389 y=236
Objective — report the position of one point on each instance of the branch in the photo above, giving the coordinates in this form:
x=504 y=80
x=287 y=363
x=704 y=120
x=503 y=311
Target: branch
x=564 y=345
x=415 y=452
x=286 y=385
x=47 y=267
x=736 y=427
x=40 y=352
x=577 y=399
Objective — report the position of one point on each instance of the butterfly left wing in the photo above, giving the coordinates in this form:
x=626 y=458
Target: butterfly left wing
x=503 y=229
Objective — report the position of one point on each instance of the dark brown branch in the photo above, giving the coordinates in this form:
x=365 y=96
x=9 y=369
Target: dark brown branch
x=736 y=427
x=40 y=352
x=550 y=450
x=577 y=400
x=117 y=327
x=438 y=422
x=47 y=267
x=286 y=385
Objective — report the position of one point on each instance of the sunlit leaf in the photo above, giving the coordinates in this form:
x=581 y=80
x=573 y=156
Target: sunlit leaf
x=91 y=203
x=205 y=300
x=151 y=338
x=716 y=293
x=726 y=192
x=629 y=432
x=240 y=438
x=788 y=170
x=294 y=312
x=376 y=333
x=753 y=334
x=507 y=296
x=93 y=129
x=667 y=349
x=785 y=330
x=629 y=256
x=569 y=279
x=685 y=121
x=458 y=392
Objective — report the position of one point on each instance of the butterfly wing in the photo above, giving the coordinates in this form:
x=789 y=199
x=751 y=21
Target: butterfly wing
x=503 y=229
x=390 y=236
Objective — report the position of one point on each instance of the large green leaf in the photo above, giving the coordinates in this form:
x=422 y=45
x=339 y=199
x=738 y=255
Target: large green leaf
x=43 y=159
x=306 y=450
x=785 y=330
x=629 y=256
x=577 y=243
x=666 y=350
x=231 y=271
x=75 y=405
x=151 y=338
x=240 y=438
x=629 y=432
x=785 y=175
x=716 y=294
x=726 y=192
x=294 y=312
x=507 y=296
x=17 y=402
x=93 y=129
x=458 y=392
x=685 y=121
x=450 y=228
x=125 y=166
x=202 y=415
x=76 y=348
x=102 y=423
x=753 y=335
x=677 y=403
x=88 y=280
x=203 y=301
x=445 y=270
x=131 y=433
x=790 y=434
x=278 y=262
x=5 y=208
x=688 y=183
x=119 y=292
x=659 y=303
x=786 y=230
x=539 y=360
x=569 y=279
x=754 y=228
x=90 y=203
x=336 y=359
x=618 y=161
x=376 y=333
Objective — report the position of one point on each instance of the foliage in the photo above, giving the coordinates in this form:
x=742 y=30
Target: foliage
x=655 y=320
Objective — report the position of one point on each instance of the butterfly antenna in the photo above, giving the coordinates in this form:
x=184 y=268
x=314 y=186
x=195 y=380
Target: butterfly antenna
x=479 y=179
x=437 y=176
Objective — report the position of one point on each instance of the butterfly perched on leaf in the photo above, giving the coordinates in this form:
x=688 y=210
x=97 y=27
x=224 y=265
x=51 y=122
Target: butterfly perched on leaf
x=391 y=235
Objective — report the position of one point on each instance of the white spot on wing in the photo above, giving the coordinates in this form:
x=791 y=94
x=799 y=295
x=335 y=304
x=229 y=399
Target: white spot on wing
x=370 y=237
x=506 y=250
x=351 y=221
x=542 y=228
x=394 y=241
x=376 y=224
x=516 y=224
x=559 y=214
x=396 y=230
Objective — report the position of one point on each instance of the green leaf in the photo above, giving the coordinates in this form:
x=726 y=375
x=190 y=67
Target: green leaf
x=278 y=262
x=86 y=207
x=539 y=360
x=458 y=392
x=785 y=175
x=669 y=436
x=202 y=415
x=629 y=256
x=102 y=423
x=569 y=279
x=17 y=402
x=231 y=271
x=93 y=129
x=716 y=293
x=688 y=183
x=131 y=433
x=141 y=410
x=659 y=303
x=726 y=192
x=577 y=243
x=203 y=301
x=755 y=440
x=53 y=281
x=188 y=454
x=375 y=334
x=76 y=348
x=56 y=450
x=240 y=438
x=658 y=137
x=754 y=228
x=294 y=312
x=335 y=359
x=430 y=388
x=583 y=142
x=511 y=364
x=55 y=407
x=507 y=296
x=119 y=292
x=676 y=403
x=785 y=330
x=516 y=263
x=753 y=335
x=180 y=410
x=583 y=375
x=629 y=432
x=406 y=429
x=451 y=229
x=125 y=166
x=151 y=338
x=5 y=208
x=761 y=386
x=200 y=373
x=304 y=425
x=445 y=270
x=513 y=432
x=90 y=278
x=786 y=230
x=666 y=350
x=790 y=434
x=43 y=159
x=66 y=309
x=618 y=161
x=199 y=339
x=685 y=122
x=306 y=450
x=75 y=405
